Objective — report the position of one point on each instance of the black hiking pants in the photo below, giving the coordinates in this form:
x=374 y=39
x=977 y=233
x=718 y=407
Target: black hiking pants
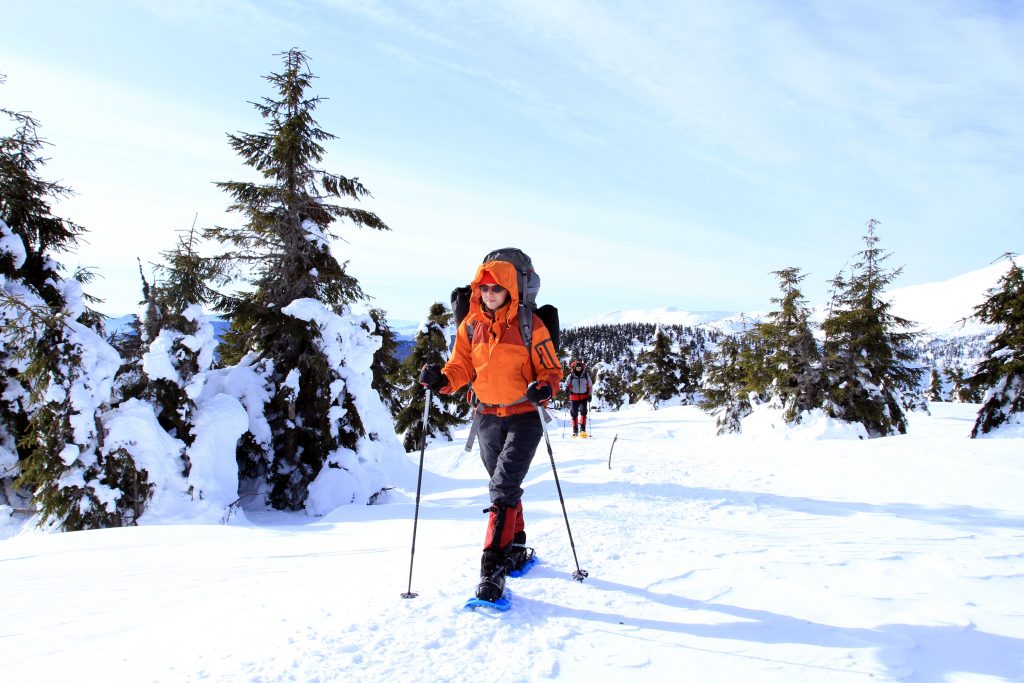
x=578 y=408
x=507 y=447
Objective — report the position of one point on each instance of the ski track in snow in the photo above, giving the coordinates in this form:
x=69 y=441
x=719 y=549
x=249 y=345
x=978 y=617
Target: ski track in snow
x=710 y=559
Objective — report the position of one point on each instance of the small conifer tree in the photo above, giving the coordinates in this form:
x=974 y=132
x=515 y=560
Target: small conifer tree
x=610 y=390
x=177 y=340
x=1001 y=373
x=935 y=387
x=658 y=380
x=961 y=390
x=869 y=360
x=792 y=362
x=386 y=365
x=446 y=411
x=725 y=385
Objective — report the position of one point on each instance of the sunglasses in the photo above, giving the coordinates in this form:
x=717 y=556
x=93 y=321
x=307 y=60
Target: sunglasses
x=491 y=289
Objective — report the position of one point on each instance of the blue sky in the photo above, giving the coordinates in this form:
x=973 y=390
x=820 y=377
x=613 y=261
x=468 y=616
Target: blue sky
x=672 y=154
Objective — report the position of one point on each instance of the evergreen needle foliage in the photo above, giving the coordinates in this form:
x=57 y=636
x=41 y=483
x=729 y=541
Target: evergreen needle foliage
x=283 y=251
x=446 y=412
x=870 y=364
x=51 y=393
x=791 y=365
x=662 y=371
x=1002 y=371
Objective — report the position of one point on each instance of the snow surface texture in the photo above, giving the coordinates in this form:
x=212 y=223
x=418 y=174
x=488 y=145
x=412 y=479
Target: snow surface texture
x=820 y=557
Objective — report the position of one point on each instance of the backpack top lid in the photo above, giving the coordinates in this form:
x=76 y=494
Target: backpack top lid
x=528 y=280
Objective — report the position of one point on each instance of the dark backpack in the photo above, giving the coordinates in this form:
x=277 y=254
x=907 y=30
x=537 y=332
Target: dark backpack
x=529 y=285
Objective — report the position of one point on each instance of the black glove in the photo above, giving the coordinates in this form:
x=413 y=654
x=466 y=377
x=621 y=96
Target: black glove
x=432 y=378
x=538 y=391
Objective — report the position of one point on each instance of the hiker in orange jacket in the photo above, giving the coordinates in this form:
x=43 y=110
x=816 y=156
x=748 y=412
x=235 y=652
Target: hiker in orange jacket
x=509 y=381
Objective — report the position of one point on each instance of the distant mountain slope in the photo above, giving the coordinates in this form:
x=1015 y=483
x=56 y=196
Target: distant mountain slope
x=937 y=307
x=666 y=316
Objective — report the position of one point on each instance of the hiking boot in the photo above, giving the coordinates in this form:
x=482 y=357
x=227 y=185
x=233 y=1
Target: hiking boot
x=492 y=576
x=491 y=588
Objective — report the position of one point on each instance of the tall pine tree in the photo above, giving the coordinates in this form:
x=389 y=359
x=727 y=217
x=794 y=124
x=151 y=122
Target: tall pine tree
x=1001 y=373
x=868 y=357
x=284 y=250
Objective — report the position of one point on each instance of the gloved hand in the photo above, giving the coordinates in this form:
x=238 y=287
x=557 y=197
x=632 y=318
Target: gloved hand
x=538 y=391
x=432 y=378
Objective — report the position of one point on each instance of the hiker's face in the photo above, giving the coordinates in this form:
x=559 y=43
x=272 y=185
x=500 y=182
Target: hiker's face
x=493 y=296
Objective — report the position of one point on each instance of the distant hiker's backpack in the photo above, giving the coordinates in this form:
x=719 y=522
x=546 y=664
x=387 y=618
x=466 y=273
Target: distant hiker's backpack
x=529 y=285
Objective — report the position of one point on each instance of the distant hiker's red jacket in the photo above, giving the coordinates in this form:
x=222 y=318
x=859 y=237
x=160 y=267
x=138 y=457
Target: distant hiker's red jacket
x=497 y=362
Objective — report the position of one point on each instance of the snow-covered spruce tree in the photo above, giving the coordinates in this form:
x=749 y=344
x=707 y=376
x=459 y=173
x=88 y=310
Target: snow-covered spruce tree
x=1001 y=373
x=658 y=378
x=154 y=419
x=869 y=361
x=283 y=250
x=725 y=385
x=56 y=369
x=69 y=376
x=791 y=362
x=611 y=390
x=446 y=412
x=13 y=361
x=935 y=387
x=178 y=334
x=386 y=365
x=30 y=277
x=960 y=389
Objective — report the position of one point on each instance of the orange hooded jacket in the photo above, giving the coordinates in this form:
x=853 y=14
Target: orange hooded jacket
x=497 y=362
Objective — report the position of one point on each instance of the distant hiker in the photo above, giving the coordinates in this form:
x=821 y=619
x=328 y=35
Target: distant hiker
x=509 y=380
x=578 y=386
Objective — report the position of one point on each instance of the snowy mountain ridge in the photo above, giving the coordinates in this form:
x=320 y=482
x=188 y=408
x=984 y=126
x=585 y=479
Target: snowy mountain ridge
x=940 y=309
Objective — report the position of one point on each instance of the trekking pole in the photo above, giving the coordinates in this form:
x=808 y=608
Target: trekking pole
x=579 y=574
x=419 y=484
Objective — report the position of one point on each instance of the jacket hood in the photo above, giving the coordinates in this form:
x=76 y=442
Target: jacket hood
x=504 y=273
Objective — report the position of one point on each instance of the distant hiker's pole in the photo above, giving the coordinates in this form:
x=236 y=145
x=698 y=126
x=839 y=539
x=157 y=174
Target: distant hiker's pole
x=419 y=484
x=579 y=574
x=611 y=449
